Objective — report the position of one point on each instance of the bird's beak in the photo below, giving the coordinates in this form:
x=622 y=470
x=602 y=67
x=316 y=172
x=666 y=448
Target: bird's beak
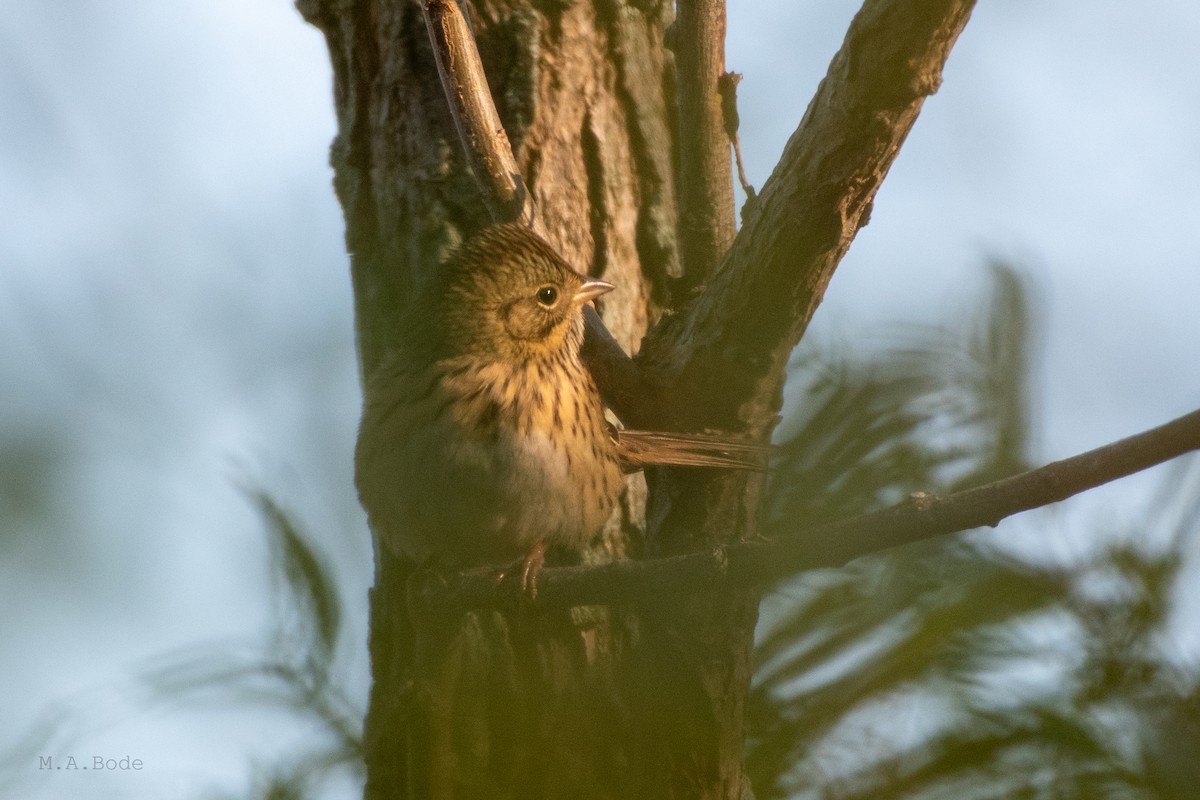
x=591 y=289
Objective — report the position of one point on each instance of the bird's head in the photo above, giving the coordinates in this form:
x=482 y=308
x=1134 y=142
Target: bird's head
x=507 y=295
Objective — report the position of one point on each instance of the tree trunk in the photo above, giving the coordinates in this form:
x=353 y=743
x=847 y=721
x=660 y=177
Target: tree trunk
x=643 y=700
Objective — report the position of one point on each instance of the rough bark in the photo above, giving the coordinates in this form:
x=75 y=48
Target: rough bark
x=642 y=699
x=512 y=703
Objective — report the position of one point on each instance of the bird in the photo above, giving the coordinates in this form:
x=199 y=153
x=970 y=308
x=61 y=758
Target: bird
x=483 y=437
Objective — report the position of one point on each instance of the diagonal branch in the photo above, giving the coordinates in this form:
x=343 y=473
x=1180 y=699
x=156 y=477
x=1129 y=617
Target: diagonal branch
x=494 y=166
x=479 y=129
x=923 y=516
x=728 y=349
x=623 y=385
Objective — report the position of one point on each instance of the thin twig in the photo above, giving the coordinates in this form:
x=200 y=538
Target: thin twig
x=922 y=516
x=479 y=128
x=729 y=113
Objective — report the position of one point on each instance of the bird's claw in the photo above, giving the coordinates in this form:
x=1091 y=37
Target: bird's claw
x=531 y=567
x=528 y=568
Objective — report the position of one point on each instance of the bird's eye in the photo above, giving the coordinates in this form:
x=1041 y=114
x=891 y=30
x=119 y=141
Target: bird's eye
x=547 y=296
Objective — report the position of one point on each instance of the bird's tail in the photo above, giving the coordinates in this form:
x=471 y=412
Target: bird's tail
x=640 y=449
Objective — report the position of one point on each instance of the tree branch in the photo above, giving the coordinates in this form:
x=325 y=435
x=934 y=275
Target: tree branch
x=479 y=129
x=623 y=386
x=724 y=355
x=494 y=166
x=706 y=223
x=922 y=516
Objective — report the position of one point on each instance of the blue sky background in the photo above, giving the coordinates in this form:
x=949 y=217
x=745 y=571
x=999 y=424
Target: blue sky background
x=175 y=310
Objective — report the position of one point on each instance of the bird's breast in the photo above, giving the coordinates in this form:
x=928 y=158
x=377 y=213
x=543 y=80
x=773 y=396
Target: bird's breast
x=544 y=423
x=473 y=461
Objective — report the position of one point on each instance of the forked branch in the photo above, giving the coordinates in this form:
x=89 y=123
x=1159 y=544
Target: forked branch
x=725 y=354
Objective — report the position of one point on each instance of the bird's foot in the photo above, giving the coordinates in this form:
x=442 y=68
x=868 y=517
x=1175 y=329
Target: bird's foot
x=528 y=568
x=531 y=567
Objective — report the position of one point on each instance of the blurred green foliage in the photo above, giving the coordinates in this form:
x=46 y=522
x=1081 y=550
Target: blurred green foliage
x=945 y=669
x=298 y=668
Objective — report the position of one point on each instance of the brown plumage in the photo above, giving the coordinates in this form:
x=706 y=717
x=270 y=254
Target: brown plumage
x=483 y=437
